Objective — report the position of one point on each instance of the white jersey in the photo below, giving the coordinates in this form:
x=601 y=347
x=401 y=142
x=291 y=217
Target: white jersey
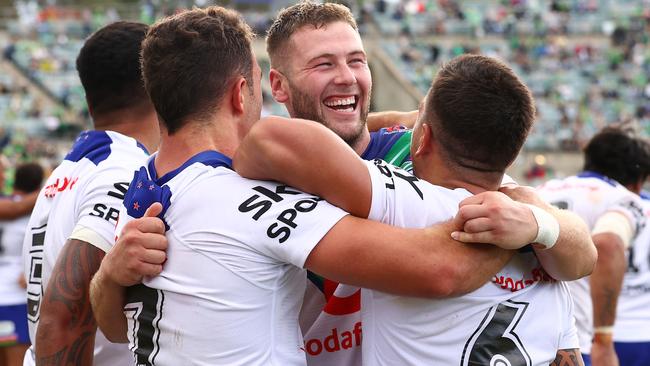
x=633 y=309
x=331 y=317
x=12 y=233
x=522 y=317
x=590 y=195
x=231 y=289
x=81 y=200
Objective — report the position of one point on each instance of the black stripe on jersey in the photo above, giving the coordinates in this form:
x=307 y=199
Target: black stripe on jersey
x=147 y=333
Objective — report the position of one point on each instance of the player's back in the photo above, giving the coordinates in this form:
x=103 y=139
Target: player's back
x=590 y=195
x=96 y=171
x=520 y=316
x=231 y=288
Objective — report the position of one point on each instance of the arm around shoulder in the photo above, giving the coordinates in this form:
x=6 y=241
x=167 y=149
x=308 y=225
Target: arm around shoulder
x=409 y=262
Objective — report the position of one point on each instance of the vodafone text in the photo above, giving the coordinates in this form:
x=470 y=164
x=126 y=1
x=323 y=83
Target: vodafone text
x=335 y=341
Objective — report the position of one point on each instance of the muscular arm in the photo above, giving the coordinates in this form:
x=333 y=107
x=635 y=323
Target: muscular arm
x=10 y=209
x=66 y=329
x=378 y=120
x=409 y=262
x=605 y=284
x=275 y=150
x=568 y=357
x=107 y=298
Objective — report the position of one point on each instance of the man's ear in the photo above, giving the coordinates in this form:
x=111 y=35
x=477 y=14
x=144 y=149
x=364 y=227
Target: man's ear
x=425 y=142
x=239 y=93
x=279 y=86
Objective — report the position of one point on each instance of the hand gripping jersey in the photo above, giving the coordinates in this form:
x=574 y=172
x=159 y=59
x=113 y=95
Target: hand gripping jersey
x=591 y=195
x=80 y=200
x=522 y=317
x=330 y=314
x=633 y=309
x=231 y=289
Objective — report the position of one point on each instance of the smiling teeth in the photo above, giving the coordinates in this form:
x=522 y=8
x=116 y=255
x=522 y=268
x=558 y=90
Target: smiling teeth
x=344 y=101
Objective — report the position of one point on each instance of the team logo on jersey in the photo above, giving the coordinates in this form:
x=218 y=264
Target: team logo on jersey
x=265 y=198
x=60 y=185
x=335 y=341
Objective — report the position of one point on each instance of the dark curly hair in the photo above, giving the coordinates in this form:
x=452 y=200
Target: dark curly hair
x=618 y=153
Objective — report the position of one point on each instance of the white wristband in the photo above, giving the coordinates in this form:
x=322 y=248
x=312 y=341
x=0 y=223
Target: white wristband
x=548 y=229
x=608 y=329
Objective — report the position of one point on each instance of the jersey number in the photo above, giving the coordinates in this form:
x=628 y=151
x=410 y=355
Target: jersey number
x=35 y=279
x=494 y=342
x=144 y=310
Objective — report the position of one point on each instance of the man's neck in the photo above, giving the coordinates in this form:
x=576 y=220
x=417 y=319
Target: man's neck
x=192 y=139
x=362 y=142
x=138 y=123
x=439 y=174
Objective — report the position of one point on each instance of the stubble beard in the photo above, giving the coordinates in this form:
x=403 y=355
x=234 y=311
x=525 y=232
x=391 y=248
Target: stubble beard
x=306 y=108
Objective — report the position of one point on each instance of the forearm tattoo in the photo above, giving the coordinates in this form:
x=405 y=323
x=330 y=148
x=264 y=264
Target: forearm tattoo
x=568 y=357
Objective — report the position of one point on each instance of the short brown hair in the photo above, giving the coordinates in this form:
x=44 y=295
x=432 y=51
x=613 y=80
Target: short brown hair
x=480 y=112
x=190 y=59
x=291 y=19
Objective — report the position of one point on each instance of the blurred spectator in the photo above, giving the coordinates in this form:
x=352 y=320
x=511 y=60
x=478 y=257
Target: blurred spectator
x=14 y=335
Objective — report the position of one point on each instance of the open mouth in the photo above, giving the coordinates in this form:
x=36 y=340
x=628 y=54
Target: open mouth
x=342 y=104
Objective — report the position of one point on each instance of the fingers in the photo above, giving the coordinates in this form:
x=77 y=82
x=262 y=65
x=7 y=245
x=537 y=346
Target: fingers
x=478 y=225
x=146 y=224
x=154 y=210
x=153 y=256
x=149 y=270
x=476 y=199
x=470 y=212
x=481 y=237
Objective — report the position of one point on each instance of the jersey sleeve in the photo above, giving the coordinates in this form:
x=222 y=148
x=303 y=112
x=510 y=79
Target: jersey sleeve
x=392 y=187
x=631 y=207
x=99 y=205
x=285 y=224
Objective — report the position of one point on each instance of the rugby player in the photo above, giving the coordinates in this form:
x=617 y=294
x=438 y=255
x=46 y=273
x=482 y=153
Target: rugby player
x=232 y=285
x=73 y=223
x=605 y=196
x=319 y=71
x=631 y=338
x=13 y=305
x=466 y=150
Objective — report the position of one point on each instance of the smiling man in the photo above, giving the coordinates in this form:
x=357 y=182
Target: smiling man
x=319 y=69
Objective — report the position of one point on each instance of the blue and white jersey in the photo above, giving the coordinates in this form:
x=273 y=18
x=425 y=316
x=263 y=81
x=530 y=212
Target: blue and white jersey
x=81 y=200
x=231 y=288
x=590 y=196
x=633 y=309
x=522 y=317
